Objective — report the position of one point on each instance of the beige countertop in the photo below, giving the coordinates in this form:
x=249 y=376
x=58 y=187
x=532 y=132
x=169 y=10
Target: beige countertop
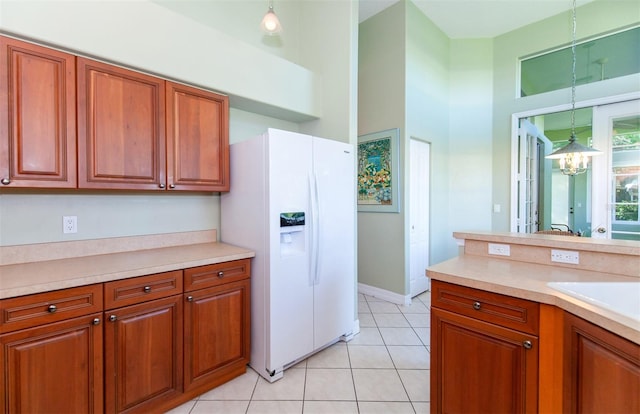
x=41 y=276
x=529 y=281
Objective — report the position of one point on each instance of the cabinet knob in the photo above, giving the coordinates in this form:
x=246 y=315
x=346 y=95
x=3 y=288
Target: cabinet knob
x=477 y=305
x=5 y=181
x=96 y=321
x=189 y=298
x=527 y=345
x=52 y=308
x=161 y=186
x=172 y=186
x=221 y=274
x=113 y=318
x=147 y=289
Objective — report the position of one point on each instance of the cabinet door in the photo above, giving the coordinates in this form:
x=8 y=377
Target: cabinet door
x=217 y=331
x=55 y=368
x=479 y=367
x=38 y=116
x=602 y=370
x=197 y=139
x=121 y=132
x=143 y=355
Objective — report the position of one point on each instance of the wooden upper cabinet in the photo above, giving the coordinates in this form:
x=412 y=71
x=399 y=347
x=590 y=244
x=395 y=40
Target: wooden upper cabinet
x=197 y=139
x=121 y=131
x=37 y=116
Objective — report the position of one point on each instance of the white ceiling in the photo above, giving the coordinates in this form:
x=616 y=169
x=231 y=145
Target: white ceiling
x=477 y=18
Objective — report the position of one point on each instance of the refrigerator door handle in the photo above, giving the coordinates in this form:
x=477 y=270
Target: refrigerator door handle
x=315 y=225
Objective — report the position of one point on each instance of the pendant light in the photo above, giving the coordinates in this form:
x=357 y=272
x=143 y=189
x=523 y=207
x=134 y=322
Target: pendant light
x=574 y=157
x=270 y=23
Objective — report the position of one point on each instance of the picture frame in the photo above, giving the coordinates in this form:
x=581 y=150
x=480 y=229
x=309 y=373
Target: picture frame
x=379 y=172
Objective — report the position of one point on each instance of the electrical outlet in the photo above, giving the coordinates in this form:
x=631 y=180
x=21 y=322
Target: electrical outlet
x=69 y=224
x=499 y=249
x=565 y=256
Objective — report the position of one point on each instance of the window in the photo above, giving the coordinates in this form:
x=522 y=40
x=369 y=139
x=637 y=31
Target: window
x=625 y=174
x=597 y=59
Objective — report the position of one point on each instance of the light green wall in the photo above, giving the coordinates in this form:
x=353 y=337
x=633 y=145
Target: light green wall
x=405 y=81
x=240 y=19
x=332 y=51
x=381 y=106
x=428 y=89
x=471 y=152
x=265 y=90
x=144 y=35
x=593 y=18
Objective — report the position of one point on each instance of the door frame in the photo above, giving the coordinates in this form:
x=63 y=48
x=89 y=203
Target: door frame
x=602 y=201
x=542 y=111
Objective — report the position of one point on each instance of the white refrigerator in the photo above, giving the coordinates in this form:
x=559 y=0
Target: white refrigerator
x=292 y=201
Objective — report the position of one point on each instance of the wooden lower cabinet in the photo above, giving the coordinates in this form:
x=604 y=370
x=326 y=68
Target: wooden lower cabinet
x=602 y=370
x=484 y=351
x=143 y=355
x=53 y=368
x=216 y=333
x=479 y=367
x=138 y=345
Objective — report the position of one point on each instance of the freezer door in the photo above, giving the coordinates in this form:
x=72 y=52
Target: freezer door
x=335 y=282
x=290 y=289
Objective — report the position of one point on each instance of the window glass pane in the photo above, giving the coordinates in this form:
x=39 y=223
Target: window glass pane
x=625 y=156
x=607 y=57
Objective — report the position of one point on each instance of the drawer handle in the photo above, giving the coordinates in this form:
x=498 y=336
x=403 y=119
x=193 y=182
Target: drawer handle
x=147 y=289
x=161 y=185
x=477 y=305
x=221 y=274
x=52 y=308
x=527 y=345
x=5 y=181
x=189 y=298
x=172 y=186
x=113 y=318
x=96 y=321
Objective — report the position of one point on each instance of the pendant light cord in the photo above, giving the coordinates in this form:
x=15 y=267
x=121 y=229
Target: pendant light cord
x=573 y=76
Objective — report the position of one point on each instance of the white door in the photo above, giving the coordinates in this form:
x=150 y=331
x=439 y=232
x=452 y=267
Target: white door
x=418 y=215
x=333 y=240
x=616 y=132
x=527 y=181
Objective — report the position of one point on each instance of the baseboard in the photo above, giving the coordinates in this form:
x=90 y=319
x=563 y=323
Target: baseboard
x=387 y=295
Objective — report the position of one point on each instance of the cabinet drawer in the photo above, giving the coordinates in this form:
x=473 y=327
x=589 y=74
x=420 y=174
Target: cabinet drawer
x=141 y=289
x=503 y=310
x=41 y=308
x=216 y=274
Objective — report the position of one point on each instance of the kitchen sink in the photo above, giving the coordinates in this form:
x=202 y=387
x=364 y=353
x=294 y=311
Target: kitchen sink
x=620 y=297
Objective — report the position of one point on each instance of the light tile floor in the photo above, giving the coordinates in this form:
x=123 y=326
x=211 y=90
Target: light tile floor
x=383 y=369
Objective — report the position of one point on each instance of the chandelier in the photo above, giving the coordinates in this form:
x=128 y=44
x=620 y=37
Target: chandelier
x=573 y=157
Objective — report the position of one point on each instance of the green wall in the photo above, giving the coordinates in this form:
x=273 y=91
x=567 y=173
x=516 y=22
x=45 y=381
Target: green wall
x=381 y=106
